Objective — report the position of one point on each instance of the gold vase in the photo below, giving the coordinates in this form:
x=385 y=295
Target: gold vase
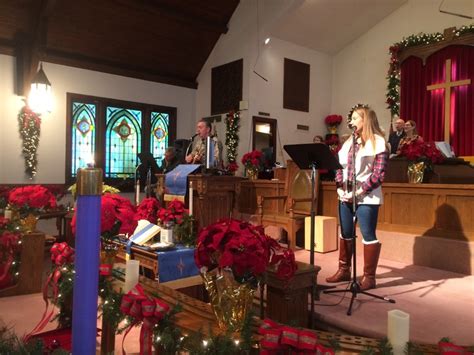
x=28 y=223
x=332 y=129
x=252 y=173
x=230 y=300
x=415 y=172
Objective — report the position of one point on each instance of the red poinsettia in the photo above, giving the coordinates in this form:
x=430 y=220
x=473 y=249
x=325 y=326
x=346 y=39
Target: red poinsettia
x=333 y=120
x=173 y=213
x=115 y=210
x=148 y=209
x=31 y=199
x=233 y=166
x=418 y=150
x=244 y=248
x=253 y=159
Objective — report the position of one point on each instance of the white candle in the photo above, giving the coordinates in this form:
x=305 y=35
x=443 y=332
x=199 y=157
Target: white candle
x=137 y=193
x=190 y=198
x=131 y=274
x=398 y=331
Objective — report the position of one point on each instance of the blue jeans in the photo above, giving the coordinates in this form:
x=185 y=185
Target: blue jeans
x=366 y=216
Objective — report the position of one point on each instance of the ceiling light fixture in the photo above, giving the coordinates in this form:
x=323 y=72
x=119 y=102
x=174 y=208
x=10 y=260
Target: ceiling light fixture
x=267 y=40
x=40 y=99
x=258 y=44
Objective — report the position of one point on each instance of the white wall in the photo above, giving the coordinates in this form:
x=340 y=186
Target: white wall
x=360 y=69
x=241 y=42
x=51 y=152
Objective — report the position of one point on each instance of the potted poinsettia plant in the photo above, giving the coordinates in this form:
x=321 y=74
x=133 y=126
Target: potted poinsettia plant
x=171 y=218
x=422 y=156
x=28 y=202
x=232 y=256
x=333 y=121
x=253 y=163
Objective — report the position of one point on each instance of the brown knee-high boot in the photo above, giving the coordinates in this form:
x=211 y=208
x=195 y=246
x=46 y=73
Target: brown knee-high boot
x=371 y=259
x=345 y=256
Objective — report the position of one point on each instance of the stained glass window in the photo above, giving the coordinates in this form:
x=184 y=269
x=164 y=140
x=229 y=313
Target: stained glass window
x=122 y=141
x=83 y=135
x=110 y=133
x=159 y=135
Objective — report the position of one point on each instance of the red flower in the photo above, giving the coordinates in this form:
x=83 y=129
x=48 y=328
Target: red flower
x=242 y=247
x=31 y=198
x=333 y=120
x=418 y=150
x=253 y=159
x=114 y=208
x=173 y=213
x=148 y=209
x=231 y=167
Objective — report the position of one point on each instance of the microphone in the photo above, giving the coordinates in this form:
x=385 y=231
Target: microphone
x=351 y=126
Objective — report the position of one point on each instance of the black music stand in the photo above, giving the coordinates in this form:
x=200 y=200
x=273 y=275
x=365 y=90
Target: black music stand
x=312 y=156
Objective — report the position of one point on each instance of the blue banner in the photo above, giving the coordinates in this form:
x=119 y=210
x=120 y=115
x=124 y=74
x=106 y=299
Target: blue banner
x=176 y=264
x=176 y=180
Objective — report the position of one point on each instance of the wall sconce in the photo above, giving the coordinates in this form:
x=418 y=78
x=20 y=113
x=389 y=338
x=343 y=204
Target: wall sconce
x=40 y=99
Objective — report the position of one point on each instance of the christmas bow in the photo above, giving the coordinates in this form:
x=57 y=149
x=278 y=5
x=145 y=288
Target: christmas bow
x=144 y=309
x=9 y=246
x=61 y=254
x=277 y=337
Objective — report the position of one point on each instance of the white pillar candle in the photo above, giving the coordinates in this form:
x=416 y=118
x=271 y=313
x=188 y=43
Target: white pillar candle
x=137 y=193
x=398 y=331
x=131 y=274
x=8 y=214
x=190 y=198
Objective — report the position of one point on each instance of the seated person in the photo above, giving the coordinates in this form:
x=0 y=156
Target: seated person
x=171 y=160
x=198 y=154
x=318 y=139
x=397 y=135
x=411 y=135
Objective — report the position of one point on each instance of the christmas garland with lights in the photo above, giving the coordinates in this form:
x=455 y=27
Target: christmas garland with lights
x=393 y=76
x=232 y=124
x=30 y=128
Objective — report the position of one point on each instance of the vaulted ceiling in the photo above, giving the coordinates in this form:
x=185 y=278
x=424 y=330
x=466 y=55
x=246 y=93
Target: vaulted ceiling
x=166 y=41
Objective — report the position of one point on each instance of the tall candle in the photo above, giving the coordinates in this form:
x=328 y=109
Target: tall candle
x=398 y=331
x=137 y=192
x=190 y=198
x=131 y=274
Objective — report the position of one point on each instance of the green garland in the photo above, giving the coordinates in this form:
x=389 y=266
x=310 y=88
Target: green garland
x=232 y=124
x=393 y=76
x=30 y=128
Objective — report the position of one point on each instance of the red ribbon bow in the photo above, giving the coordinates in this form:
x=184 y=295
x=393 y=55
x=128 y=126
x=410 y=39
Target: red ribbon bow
x=144 y=309
x=9 y=246
x=61 y=254
x=277 y=337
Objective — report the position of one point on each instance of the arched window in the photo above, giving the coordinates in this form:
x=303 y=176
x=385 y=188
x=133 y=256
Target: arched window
x=110 y=134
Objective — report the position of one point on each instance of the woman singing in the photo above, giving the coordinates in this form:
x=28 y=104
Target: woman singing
x=370 y=160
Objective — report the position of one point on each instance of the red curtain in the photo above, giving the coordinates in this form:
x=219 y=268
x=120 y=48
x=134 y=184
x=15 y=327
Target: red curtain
x=426 y=107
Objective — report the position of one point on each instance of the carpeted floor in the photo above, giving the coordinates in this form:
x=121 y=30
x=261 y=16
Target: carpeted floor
x=440 y=304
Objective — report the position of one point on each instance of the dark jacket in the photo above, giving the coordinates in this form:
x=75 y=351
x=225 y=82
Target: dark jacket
x=394 y=141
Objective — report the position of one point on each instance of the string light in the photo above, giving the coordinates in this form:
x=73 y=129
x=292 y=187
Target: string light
x=204 y=343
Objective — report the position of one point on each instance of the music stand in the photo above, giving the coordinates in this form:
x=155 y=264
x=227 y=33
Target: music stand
x=312 y=156
x=147 y=170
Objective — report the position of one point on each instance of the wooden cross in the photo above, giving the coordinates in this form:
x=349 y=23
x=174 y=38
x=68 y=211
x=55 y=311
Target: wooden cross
x=447 y=85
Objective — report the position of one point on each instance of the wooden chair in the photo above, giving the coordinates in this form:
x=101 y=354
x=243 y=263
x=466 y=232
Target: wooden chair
x=297 y=203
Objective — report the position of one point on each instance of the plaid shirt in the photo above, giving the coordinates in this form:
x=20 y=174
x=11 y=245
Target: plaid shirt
x=375 y=179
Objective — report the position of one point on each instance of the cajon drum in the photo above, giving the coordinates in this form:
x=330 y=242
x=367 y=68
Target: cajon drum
x=325 y=234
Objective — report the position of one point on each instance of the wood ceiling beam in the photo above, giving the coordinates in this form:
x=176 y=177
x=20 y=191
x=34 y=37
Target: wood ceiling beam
x=30 y=46
x=175 y=14
x=112 y=67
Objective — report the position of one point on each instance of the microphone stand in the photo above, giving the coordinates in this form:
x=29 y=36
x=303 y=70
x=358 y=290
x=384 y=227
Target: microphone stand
x=190 y=145
x=355 y=286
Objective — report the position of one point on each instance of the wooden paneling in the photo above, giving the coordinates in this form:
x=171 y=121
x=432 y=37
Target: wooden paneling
x=250 y=189
x=296 y=85
x=226 y=87
x=433 y=210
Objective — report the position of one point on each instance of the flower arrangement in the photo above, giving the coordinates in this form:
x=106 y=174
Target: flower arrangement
x=148 y=209
x=173 y=214
x=232 y=167
x=244 y=249
x=31 y=199
x=333 y=120
x=253 y=160
x=418 y=150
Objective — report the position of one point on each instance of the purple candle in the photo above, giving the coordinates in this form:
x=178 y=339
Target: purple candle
x=86 y=280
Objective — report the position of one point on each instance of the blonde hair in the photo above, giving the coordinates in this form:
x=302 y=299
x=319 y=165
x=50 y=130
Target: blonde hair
x=370 y=125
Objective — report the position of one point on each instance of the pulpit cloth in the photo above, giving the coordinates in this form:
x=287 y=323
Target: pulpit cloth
x=176 y=180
